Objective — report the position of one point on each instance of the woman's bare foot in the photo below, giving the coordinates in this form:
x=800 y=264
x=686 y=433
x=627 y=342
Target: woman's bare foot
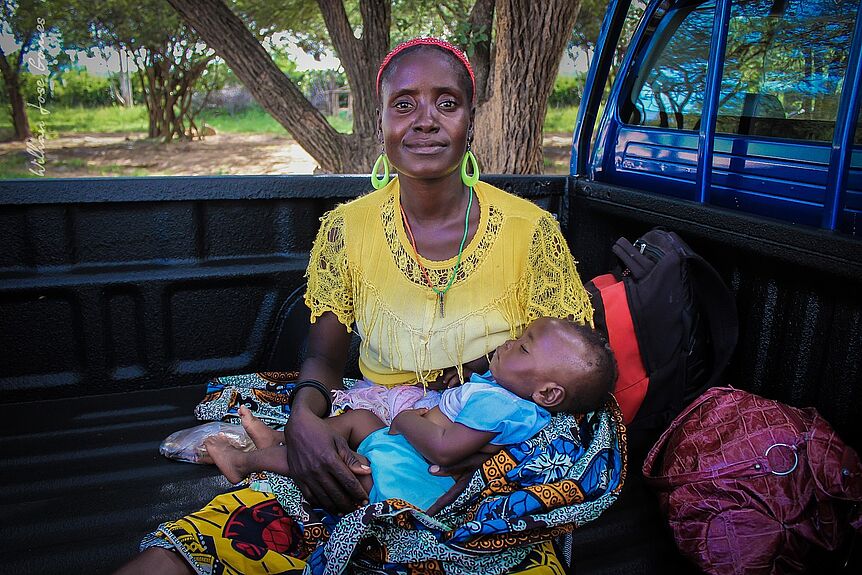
x=232 y=462
x=262 y=435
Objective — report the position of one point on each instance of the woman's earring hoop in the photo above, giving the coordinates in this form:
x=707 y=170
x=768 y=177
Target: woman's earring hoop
x=470 y=180
x=380 y=182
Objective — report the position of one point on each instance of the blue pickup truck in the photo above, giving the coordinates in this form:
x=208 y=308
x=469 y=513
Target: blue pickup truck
x=734 y=123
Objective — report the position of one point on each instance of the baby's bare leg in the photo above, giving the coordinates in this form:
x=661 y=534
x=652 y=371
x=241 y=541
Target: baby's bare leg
x=236 y=464
x=355 y=425
x=262 y=435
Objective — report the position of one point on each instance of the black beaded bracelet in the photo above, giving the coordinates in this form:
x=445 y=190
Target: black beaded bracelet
x=316 y=385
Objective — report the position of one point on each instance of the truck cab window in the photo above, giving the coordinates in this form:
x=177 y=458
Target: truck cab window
x=668 y=93
x=772 y=84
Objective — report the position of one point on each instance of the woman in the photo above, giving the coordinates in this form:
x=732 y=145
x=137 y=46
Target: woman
x=435 y=270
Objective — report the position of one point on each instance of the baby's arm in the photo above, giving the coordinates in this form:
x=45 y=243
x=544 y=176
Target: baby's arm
x=444 y=444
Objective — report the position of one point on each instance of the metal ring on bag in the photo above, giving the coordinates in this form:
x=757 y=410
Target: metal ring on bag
x=795 y=458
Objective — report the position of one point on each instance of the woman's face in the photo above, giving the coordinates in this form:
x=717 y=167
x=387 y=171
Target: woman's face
x=425 y=115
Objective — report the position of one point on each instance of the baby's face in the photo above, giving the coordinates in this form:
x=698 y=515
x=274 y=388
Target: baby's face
x=540 y=355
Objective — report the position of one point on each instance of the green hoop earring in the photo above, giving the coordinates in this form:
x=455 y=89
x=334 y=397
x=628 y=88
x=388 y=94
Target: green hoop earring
x=380 y=182
x=471 y=180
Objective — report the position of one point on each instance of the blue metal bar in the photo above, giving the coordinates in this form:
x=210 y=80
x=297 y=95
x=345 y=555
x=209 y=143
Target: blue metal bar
x=714 y=70
x=842 y=139
x=609 y=36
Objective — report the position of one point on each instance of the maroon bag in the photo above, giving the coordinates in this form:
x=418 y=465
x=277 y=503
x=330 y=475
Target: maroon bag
x=749 y=484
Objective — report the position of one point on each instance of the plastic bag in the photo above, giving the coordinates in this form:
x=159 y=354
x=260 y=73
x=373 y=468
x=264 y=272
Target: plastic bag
x=188 y=444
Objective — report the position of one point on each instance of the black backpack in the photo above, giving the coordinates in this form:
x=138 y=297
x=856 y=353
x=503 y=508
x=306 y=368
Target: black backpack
x=671 y=322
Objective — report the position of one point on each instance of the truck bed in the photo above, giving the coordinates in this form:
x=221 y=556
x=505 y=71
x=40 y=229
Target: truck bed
x=120 y=298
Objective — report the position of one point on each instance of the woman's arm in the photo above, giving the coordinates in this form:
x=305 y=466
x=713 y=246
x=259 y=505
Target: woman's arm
x=441 y=445
x=316 y=455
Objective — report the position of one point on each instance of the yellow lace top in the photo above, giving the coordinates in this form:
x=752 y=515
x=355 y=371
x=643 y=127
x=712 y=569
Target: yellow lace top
x=516 y=268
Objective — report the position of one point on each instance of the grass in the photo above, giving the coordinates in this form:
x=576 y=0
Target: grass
x=253 y=119
x=560 y=120
x=106 y=119
x=18 y=164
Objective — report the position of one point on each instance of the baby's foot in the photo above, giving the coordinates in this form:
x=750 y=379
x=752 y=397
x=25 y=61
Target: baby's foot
x=232 y=462
x=262 y=435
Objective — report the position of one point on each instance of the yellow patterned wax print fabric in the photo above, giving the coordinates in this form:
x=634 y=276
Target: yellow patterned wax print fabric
x=363 y=269
x=246 y=531
x=240 y=532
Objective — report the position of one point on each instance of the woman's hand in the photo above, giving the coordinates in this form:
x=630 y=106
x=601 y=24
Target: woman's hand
x=320 y=460
x=461 y=472
x=323 y=465
x=464 y=467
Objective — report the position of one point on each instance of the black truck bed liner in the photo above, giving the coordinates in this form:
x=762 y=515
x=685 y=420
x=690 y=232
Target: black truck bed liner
x=92 y=384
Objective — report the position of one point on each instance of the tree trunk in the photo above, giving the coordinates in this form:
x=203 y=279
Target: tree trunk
x=225 y=33
x=530 y=40
x=481 y=21
x=16 y=100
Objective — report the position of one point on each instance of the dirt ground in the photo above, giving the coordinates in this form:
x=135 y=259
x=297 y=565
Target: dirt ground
x=89 y=155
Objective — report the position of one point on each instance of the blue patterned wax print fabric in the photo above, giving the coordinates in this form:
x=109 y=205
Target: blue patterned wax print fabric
x=565 y=476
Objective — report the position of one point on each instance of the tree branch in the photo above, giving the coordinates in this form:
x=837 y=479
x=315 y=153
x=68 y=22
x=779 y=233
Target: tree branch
x=25 y=43
x=224 y=32
x=360 y=57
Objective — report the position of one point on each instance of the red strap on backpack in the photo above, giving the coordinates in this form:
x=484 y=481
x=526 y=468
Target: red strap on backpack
x=632 y=382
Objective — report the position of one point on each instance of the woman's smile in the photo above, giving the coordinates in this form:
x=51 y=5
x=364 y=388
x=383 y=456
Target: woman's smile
x=425 y=147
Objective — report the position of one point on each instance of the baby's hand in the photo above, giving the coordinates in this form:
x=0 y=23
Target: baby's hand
x=448 y=379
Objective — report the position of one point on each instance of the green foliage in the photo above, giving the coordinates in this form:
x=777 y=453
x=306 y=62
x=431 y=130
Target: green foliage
x=560 y=120
x=31 y=23
x=105 y=119
x=78 y=88
x=301 y=19
x=585 y=34
x=72 y=87
x=567 y=91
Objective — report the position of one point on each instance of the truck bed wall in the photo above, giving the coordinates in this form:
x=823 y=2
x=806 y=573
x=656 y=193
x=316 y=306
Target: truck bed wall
x=119 y=298
x=120 y=285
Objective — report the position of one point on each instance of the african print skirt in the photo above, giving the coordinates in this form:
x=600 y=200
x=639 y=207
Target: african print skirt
x=245 y=532
x=521 y=498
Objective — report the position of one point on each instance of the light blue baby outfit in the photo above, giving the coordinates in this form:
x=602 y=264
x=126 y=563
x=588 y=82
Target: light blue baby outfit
x=399 y=471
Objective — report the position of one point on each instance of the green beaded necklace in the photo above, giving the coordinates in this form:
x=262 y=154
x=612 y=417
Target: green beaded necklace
x=440 y=293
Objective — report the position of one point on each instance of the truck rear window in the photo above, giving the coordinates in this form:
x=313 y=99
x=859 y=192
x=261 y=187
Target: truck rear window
x=772 y=85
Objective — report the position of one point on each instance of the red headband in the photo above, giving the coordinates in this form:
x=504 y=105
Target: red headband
x=454 y=50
